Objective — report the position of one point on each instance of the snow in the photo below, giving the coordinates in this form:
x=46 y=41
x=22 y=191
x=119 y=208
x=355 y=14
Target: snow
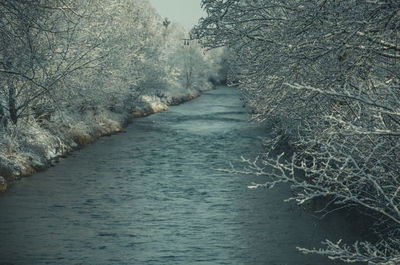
x=30 y=146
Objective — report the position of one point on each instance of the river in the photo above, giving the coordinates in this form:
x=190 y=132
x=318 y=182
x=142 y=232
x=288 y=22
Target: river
x=151 y=195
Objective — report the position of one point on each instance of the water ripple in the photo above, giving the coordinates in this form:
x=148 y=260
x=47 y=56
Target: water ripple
x=150 y=196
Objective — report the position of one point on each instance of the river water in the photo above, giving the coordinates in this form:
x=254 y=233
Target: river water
x=150 y=196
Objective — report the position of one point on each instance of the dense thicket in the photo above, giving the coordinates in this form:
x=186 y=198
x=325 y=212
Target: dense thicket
x=327 y=73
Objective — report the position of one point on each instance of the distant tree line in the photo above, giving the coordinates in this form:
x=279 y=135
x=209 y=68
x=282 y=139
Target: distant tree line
x=327 y=74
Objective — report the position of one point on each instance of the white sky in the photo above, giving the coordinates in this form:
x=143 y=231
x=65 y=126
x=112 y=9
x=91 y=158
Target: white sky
x=185 y=12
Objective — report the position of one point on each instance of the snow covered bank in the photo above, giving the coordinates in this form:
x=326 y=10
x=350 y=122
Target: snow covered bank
x=152 y=104
x=35 y=145
x=31 y=146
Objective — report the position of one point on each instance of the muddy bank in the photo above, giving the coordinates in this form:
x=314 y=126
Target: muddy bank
x=28 y=148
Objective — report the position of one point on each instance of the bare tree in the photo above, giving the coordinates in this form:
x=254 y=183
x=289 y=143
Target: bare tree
x=327 y=73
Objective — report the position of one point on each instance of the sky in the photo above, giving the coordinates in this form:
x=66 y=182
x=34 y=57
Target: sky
x=185 y=12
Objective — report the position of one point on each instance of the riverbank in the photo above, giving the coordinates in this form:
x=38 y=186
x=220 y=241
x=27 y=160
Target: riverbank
x=36 y=145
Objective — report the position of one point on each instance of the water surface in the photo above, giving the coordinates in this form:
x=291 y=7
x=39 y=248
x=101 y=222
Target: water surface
x=151 y=196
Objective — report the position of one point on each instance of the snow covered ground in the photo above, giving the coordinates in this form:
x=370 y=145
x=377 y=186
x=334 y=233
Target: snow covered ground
x=32 y=146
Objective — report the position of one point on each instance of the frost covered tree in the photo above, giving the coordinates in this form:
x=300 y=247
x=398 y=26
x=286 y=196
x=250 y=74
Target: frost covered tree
x=327 y=74
x=36 y=54
x=123 y=34
x=82 y=55
x=141 y=55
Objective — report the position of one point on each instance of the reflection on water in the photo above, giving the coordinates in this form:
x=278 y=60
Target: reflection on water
x=150 y=196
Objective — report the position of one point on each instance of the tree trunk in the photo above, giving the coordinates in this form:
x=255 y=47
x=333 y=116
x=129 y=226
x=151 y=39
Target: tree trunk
x=2 y=118
x=12 y=104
